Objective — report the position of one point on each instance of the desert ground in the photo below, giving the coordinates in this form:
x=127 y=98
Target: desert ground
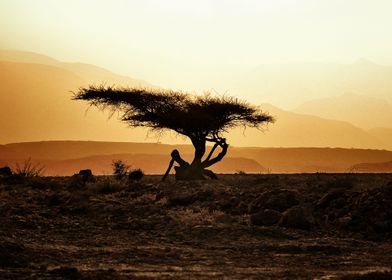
x=242 y=226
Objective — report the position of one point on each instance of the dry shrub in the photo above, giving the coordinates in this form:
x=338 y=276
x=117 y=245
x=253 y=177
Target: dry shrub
x=29 y=169
x=120 y=169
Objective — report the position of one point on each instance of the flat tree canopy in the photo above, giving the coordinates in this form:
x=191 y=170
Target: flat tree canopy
x=201 y=118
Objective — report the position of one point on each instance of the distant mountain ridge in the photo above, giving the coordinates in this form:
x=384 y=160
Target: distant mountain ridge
x=291 y=84
x=379 y=167
x=362 y=111
x=301 y=130
x=67 y=157
x=89 y=73
x=36 y=96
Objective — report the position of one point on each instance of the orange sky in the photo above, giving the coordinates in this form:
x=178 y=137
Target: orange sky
x=198 y=44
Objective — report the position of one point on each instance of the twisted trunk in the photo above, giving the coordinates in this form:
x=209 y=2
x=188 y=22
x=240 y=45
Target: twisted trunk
x=197 y=170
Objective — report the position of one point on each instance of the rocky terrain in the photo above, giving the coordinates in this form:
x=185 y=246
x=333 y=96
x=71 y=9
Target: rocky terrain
x=298 y=226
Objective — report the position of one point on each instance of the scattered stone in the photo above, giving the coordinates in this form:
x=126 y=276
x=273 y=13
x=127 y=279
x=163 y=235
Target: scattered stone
x=80 y=179
x=267 y=217
x=5 y=171
x=331 y=195
x=297 y=217
x=225 y=219
x=180 y=200
x=87 y=174
x=279 y=200
x=66 y=272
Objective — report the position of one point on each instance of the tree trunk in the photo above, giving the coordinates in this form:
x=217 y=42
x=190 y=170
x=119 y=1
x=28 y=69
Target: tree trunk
x=197 y=170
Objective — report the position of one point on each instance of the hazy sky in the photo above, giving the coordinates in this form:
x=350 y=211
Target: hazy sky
x=192 y=44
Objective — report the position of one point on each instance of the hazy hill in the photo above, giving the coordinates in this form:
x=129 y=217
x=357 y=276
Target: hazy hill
x=384 y=134
x=379 y=167
x=362 y=111
x=289 y=85
x=66 y=157
x=149 y=163
x=299 y=130
x=64 y=150
x=298 y=160
x=36 y=105
x=90 y=74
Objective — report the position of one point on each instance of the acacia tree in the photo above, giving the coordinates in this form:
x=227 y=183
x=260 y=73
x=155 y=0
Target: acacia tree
x=200 y=118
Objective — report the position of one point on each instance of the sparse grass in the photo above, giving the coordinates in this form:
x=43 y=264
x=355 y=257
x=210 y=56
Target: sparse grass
x=29 y=169
x=106 y=185
x=196 y=216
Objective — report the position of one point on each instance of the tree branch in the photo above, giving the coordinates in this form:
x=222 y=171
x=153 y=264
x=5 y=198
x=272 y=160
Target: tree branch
x=219 y=157
x=211 y=152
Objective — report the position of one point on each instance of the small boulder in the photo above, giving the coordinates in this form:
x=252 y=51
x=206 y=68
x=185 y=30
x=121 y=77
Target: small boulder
x=86 y=173
x=180 y=200
x=267 y=217
x=297 y=217
x=5 y=171
x=330 y=196
x=80 y=179
x=225 y=219
x=279 y=200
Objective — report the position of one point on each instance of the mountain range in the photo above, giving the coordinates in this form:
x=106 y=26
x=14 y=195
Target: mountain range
x=68 y=157
x=360 y=110
x=36 y=93
x=290 y=85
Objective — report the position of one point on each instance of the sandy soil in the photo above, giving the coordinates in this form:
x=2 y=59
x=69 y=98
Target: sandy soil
x=65 y=228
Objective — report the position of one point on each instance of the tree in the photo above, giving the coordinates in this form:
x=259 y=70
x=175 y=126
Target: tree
x=200 y=118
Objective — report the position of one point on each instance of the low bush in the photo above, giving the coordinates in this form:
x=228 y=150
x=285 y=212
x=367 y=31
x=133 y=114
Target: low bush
x=120 y=169
x=136 y=175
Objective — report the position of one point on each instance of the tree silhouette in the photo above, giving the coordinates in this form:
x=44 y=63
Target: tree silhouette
x=200 y=118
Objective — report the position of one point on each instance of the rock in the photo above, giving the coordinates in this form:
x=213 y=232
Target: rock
x=225 y=219
x=279 y=200
x=5 y=171
x=66 y=273
x=330 y=196
x=343 y=222
x=240 y=209
x=297 y=217
x=80 y=179
x=180 y=200
x=229 y=204
x=86 y=173
x=267 y=217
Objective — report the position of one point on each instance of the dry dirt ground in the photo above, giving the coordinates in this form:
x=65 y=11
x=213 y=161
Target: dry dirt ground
x=305 y=226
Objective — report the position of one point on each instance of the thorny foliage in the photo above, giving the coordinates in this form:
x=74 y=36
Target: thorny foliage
x=120 y=169
x=198 y=117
